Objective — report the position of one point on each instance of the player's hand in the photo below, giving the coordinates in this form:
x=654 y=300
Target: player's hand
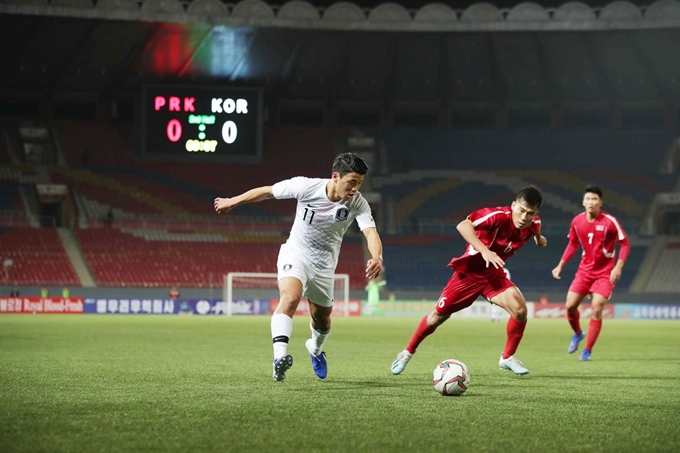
x=615 y=276
x=493 y=259
x=374 y=267
x=541 y=241
x=223 y=205
x=556 y=272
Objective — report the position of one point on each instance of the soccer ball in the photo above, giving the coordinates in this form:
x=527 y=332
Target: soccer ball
x=451 y=377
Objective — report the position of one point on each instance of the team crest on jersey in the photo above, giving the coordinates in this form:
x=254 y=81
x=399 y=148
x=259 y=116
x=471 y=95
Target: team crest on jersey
x=599 y=227
x=341 y=214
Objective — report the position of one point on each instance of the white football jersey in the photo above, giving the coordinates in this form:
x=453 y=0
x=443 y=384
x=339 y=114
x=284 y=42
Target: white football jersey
x=320 y=223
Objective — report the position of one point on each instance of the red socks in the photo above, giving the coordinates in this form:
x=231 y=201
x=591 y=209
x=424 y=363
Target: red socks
x=515 y=331
x=574 y=318
x=421 y=332
x=593 y=331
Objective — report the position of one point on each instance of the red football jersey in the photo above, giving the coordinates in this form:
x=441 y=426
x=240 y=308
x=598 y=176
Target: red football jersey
x=598 y=240
x=494 y=227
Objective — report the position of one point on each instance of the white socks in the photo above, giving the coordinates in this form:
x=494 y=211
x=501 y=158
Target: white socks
x=318 y=339
x=282 y=328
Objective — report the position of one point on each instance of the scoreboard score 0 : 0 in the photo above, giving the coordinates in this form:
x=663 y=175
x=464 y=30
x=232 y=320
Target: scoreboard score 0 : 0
x=183 y=120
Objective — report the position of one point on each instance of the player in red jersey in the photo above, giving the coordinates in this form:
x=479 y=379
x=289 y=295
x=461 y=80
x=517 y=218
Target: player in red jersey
x=493 y=236
x=597 y=232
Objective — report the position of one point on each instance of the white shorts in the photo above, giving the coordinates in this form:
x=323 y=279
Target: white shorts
x=317 y=286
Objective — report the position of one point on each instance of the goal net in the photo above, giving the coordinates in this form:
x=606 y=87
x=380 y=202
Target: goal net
x=240 y=287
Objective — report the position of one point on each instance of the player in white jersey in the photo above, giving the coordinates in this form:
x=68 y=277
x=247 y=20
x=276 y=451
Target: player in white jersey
x=307 y=261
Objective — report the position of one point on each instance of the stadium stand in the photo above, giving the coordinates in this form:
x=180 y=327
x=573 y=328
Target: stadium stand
x=10 y=199
x=432 y=177
x=93 y=144
x=156 y=257
x=109 y=176
x=452 y=195
x=531 y=267
x=420 y=262
x=38 y=257
x=664 y=279
x=163 y=229
x=527 y=150
x=127 y=258
x=431 y=194
x=164 y=209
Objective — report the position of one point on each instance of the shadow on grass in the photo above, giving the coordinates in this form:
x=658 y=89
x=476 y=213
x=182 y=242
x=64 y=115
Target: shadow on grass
x=590 y=377
x=344 y=384
x=637 y=359
x=370 y=385
x=377 y=386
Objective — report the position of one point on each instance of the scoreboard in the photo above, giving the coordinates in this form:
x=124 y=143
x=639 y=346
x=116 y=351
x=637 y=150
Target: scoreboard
x=214 y=123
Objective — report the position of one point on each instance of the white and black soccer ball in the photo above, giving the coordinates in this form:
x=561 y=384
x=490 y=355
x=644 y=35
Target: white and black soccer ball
x=451 y=377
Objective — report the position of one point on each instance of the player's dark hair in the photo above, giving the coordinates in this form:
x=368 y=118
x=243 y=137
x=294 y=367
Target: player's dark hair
x=531 y=195
x=593 y=189
x=349 y=163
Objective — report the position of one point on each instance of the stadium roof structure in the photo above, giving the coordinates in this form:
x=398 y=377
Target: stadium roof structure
x=346 y=15
x=525 y=56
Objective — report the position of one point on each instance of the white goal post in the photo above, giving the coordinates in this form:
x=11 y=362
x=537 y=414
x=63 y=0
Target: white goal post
x=236 y=284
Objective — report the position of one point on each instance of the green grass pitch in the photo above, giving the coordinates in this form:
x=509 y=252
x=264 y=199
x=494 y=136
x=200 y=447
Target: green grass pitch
x=204 y=384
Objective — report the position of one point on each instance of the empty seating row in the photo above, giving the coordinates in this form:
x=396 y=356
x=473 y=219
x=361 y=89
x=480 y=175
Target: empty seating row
x=453 y=194
x=110 y=174
x=413 y=263
x=120 y=258
x=37 y=257
x=666 y=275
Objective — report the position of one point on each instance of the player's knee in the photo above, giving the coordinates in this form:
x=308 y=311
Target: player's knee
x=520 y=313
x=321 y=322
x=596 y=313
x=288 y=302
x=436 y=319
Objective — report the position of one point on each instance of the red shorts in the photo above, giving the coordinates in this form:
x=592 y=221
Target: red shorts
x=461 y=291
x=585 y=284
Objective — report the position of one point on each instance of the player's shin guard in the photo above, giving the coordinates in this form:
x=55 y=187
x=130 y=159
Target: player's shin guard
x=282 y=328
x=515 y=331
x=574 y=318
x=318 y=339
x=421 y=332
x=593 y=331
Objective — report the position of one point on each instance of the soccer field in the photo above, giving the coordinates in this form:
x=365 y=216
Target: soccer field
x=195 y=384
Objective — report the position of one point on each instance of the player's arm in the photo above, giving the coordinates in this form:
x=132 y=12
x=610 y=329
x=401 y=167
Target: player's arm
x=572 y=247
x=615 y=274
x=624 y=250
x=540 y=240
x=251 y=196
x=374 y=266
x=467 y=230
